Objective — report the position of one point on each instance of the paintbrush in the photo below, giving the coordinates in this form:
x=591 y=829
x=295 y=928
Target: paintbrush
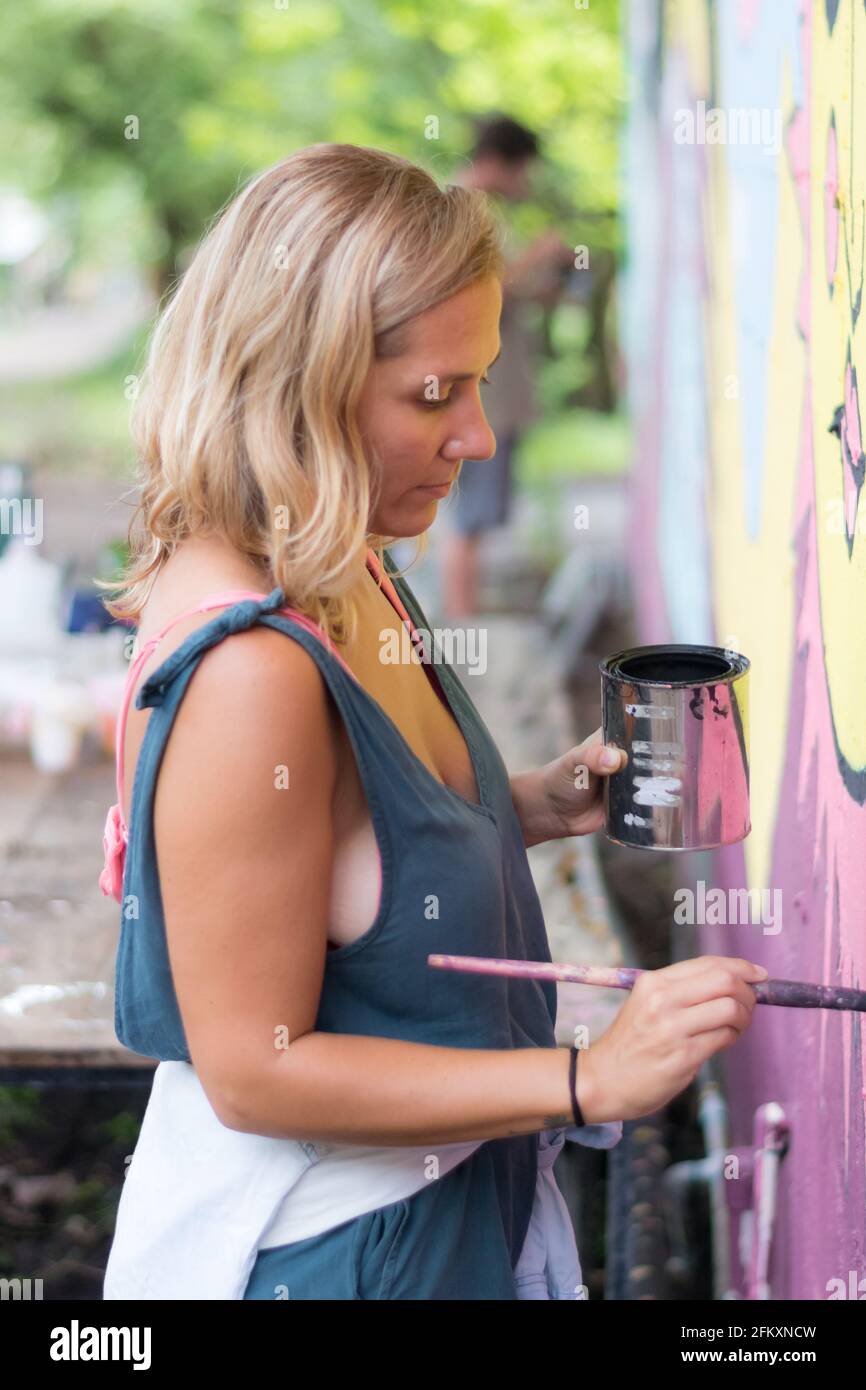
x=789 y=994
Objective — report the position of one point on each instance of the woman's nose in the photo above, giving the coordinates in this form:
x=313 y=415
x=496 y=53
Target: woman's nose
x=475 y=441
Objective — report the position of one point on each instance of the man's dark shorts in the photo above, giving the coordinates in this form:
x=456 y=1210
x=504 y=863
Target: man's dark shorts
x=482 y=495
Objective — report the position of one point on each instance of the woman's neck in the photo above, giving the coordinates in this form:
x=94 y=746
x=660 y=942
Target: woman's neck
x=198 y=567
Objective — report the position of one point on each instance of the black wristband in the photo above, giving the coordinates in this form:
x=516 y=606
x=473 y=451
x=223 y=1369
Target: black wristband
x=572 y=1082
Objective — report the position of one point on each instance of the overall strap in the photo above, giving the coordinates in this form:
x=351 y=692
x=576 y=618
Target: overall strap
x=273 y=602
x=244 y=609
x=239 y=618
x=219 y=600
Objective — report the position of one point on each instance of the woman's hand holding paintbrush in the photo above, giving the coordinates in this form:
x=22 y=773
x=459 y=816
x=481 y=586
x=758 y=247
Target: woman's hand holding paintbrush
x=673 y=1020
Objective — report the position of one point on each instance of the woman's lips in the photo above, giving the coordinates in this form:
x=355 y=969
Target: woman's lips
x=437 y=489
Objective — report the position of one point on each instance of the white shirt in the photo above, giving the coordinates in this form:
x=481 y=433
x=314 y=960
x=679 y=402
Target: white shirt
x=200 y=1200
x=347 y=1180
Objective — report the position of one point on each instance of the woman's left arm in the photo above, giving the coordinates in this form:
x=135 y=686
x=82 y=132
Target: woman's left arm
x=564 y=797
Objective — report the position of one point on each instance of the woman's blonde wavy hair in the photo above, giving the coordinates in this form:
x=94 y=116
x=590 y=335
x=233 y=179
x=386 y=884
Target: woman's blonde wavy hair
x=245 y=421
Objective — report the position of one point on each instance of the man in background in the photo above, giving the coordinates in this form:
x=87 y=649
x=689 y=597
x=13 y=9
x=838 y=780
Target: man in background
x=500 y=165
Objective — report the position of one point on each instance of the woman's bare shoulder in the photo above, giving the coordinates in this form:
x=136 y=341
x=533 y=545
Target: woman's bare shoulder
x=260 y=685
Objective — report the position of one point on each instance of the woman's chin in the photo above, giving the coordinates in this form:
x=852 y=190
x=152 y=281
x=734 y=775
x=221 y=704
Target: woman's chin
x=407 y=520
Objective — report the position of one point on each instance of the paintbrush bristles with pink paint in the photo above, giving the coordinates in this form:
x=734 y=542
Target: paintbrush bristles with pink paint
x=789 y=994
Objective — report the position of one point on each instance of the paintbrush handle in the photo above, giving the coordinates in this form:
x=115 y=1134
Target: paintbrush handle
x=789 y=994
x=797 y=994
x=613 y=977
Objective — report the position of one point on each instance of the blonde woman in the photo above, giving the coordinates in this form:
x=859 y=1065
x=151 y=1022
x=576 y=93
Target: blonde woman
x=299 y=823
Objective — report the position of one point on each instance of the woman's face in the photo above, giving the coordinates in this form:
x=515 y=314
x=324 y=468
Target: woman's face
x=421 y=412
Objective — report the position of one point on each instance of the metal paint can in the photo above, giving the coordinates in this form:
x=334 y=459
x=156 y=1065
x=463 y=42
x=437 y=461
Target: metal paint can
x=681 y=714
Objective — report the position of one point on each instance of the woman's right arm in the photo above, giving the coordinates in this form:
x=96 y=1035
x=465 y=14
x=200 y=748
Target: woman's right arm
x=243 y=823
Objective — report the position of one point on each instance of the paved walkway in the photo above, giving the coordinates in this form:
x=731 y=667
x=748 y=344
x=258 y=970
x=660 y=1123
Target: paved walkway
x=58 y=934
x=58 y=340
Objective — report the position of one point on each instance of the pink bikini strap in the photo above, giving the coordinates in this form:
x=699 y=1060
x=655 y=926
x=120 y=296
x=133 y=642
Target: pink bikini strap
x=387 y=586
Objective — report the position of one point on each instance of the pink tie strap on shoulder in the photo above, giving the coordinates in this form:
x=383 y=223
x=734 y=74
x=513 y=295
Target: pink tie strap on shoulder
x=115 y=836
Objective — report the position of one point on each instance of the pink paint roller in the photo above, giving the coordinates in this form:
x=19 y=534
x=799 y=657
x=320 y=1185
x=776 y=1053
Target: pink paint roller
x=789 y=994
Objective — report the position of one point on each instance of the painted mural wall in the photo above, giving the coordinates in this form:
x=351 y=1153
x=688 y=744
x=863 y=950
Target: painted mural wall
x=745 y=179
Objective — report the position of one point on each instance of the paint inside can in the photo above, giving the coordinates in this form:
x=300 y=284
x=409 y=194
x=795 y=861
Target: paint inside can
x=670 y=667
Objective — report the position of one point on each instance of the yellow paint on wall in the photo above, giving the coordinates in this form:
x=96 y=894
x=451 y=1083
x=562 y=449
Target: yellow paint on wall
x=753 y=580
x=834 y=334
x=687 y=31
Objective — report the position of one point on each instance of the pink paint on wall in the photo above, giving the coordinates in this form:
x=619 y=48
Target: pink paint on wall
x=811 y=1063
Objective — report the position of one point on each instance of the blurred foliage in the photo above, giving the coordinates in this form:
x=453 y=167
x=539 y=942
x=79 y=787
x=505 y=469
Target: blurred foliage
x=221 y=88
x=572 y=442
x=19 y=1112
x=122 y=1128
x=215 y=90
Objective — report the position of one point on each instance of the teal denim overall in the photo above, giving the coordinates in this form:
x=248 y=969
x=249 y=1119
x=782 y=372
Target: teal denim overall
x=461 y=1236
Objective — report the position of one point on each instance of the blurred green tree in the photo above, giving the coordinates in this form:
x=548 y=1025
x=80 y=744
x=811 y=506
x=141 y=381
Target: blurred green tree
x=185 y=99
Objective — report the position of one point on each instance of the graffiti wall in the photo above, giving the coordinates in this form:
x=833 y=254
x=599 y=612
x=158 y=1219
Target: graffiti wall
x=745 y=179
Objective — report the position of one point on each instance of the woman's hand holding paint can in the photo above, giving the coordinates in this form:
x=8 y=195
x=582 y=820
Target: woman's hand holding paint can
x=673 y=1020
